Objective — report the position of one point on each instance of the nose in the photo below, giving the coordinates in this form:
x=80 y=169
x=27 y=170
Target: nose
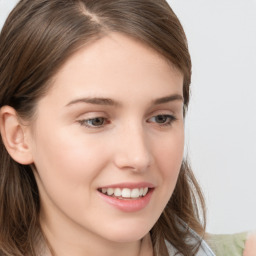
x=133 y=150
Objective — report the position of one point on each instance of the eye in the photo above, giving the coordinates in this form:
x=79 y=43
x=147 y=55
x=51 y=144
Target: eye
x=96 y=122
x=162 y=119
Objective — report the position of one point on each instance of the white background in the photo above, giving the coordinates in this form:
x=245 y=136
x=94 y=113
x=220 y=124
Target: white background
x=221 y=124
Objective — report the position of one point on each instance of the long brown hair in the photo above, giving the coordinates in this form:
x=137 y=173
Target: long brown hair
x=37 y=38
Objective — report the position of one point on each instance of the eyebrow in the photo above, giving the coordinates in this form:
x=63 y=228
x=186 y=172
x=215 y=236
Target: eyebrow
x=110 y=102
x=167 y=99
x=96 y=101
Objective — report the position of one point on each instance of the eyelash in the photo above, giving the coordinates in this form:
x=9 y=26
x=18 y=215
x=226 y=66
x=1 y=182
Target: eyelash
x=85 y=122
x=167 y=121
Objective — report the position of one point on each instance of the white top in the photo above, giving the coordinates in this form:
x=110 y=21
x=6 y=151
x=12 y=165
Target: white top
x=204 y=249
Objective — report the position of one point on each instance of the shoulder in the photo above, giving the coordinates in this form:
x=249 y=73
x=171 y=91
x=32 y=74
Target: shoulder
x=239 y=244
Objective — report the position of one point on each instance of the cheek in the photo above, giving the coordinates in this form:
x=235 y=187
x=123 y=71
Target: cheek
x=67 y=169
x=170 y=154
x=63 y=159
x=169 y=158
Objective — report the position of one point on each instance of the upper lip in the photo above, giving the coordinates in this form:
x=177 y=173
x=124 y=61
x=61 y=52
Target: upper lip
x=130 y=185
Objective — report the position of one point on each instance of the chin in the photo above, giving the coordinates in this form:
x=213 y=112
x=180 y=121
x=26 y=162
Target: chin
x=127 y=234
x=124 y=238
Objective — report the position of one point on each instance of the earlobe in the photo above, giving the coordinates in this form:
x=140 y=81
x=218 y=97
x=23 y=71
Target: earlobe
x=14 y=137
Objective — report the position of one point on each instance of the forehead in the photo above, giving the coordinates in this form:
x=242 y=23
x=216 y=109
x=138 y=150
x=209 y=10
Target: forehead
x=117 y=63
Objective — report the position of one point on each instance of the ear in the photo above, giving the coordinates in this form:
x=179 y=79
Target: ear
x=15 y=136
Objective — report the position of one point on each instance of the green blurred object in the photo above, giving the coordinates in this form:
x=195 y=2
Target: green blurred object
x=227 y=245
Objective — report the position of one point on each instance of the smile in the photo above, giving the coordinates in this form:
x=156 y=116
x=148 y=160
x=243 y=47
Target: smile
x=125 y=193
x=127 y=197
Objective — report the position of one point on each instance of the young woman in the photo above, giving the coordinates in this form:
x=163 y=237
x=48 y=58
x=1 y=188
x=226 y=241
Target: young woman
x=93 y=96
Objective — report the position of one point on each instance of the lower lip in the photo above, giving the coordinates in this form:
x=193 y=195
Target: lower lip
x=128 y=205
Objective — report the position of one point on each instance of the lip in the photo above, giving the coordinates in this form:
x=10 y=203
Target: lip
x=128 y=205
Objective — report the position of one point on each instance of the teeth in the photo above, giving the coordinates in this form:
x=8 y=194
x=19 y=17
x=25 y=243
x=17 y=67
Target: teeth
x=145 y=191
x=110 y=191
x=135 y=193
x=125 y=192
x=117 y=192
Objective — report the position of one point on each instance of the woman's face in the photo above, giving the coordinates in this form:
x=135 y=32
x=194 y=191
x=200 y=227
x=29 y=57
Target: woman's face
x=111 y=123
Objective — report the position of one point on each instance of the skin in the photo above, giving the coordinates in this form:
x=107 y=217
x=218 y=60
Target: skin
x=73 y=157
x=250 y=245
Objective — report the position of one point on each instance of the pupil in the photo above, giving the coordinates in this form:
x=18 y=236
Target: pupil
x=161 y=119
x=98 y=121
